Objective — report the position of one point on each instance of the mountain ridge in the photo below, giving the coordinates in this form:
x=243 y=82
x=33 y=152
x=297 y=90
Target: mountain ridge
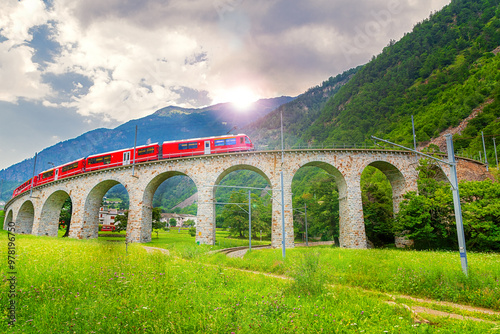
x=191 y=122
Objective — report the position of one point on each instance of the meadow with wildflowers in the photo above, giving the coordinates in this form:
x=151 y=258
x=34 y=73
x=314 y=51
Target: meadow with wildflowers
x=96 y=286
x=425 y=274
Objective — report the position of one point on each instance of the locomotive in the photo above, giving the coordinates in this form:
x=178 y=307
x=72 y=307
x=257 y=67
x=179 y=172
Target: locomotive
x=150 y=152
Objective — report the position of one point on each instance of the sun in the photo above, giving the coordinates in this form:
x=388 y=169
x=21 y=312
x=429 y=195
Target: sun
x=241 y=97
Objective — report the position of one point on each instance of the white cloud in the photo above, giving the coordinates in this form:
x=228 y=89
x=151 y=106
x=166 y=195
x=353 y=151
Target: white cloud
x=136 y=55
x=115 y=60
x=21 y=78
x=133 y=71
x=46 y=103
x=18 y=17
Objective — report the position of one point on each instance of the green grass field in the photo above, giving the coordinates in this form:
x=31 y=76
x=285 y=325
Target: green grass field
x=99 y=286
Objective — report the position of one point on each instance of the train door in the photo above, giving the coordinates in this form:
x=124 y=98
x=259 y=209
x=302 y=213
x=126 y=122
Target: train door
x=126 y=158
x=56 y=174
x=207 y=147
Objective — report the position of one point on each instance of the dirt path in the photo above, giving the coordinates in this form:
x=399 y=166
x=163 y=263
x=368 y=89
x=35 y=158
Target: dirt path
x=152 y=249
x=418 y=311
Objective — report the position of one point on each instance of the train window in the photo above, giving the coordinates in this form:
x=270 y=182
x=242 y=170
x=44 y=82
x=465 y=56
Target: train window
x=247 y=140
x=183 y=146
x=105 y=159
x=241 y=140
x=192 y=145
x=231 y=141
x=219 y=142
x=70 y=167
x=48 y=174
x=144 y=151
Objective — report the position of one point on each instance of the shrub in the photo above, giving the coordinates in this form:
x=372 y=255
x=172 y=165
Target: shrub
x=308 y=277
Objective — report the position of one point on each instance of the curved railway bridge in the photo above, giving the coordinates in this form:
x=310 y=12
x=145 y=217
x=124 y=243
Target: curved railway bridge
x=38 y=214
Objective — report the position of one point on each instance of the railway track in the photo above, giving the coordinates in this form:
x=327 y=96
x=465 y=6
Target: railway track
x=241 y=249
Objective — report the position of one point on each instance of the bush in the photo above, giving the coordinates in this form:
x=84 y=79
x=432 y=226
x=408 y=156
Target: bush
x=192 y=231
x=308 y=277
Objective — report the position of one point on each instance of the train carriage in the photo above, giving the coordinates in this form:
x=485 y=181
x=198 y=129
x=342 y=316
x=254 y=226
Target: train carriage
x=147 y=153
x=22 y=188
x=232 y=144
x=47 y=176
x=150 y=152
x=73 y=168
x=209 y=145
x=108 y=160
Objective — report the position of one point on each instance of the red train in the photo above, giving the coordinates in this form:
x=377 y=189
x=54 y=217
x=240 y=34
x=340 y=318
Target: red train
x=169 y=149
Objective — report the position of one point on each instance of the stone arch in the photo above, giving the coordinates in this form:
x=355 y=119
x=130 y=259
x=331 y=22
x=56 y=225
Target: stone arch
x=438 y=173
x=330 y=169
x=25 y=218
x=344 y=215
x=235 y=168
x=396 y=179
x=146 y=215
x=90 y=222
x=8 y=218
x=51 y=210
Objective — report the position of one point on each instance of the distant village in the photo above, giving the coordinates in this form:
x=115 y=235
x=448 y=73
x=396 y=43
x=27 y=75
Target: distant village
x=107 y=215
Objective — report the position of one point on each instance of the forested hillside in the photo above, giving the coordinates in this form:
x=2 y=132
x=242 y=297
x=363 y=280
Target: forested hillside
x=442 y=71
x=298 y=115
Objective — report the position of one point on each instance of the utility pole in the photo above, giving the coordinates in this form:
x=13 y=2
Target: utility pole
x=414 y=141
x=31 y=181
x=495 y=148
x=456 y=203
x=456 y=196
x=305 y=212
x=484 y=149
x=135 y=145
x=283 y=232
x=249 y=221
x=414 y=137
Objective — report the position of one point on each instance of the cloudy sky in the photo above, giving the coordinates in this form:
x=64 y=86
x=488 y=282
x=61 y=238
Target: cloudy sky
x=70 y=66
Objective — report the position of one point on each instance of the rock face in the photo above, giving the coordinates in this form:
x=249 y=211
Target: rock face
x=470 y=170
x=401 y=241
x=465 y=170
x=441 y=140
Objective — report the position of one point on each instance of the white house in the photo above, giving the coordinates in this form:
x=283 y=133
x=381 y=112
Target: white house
x=107 y=215
x=180 y=218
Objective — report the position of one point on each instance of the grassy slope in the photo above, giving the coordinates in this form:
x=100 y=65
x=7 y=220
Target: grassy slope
x=87 y=286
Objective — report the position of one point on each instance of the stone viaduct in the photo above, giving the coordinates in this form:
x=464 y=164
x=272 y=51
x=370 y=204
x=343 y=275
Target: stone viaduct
x=39 y=214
